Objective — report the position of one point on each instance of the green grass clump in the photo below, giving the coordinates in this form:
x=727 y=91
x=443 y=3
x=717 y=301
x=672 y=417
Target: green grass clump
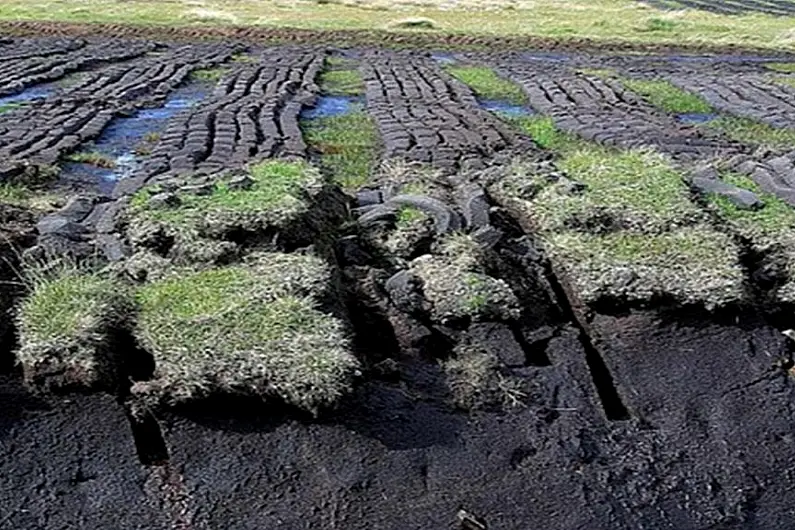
x=92 y=158
x=342 y=82
x=668 y=97
x=752 y=132
x=784 y=68
x=691 y=265
x=659 y=25
x=66 y=325
x=634 y=189
x=486 y=84
x=253 y=328
x=208 y=75
x=15 y=194
x=348 y=146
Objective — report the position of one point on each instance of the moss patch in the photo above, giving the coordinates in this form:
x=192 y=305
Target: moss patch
x=486 y=84
x=254 y=329
x=348 y=146
x=65 y=327
x=668 y=97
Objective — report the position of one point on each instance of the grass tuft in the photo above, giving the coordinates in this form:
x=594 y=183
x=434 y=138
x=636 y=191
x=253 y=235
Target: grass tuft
x=543 y=131
x=92 y=158
x=668 y=97
x=208 y=75
x=769 y=230
x=348 y=146
x=486 y=84
x=254 y=329
x=691 y=265
x=659 y=25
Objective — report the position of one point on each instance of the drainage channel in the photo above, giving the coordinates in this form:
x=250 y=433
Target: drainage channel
x=125 y=142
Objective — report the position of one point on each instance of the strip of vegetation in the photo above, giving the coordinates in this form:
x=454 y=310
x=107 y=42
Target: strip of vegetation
x=770 y=231
x=92 y=158
x=341 y=82
x=752 y=132
x=66 y=326
x=208 y=75
x=668 y=97
x=784 y=68
x=253 y=328
x=6 y=107
x=348 y=146
x=486 y=84
x=620 y=224
x=784 y=80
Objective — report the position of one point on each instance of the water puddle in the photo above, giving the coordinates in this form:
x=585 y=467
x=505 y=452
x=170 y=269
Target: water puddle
x=29 y=94
x=503 y=107
x=695 y=118
x=126 y=140
x=545 y=56
x=444 y=58
x=732 y=59
x=327 y=106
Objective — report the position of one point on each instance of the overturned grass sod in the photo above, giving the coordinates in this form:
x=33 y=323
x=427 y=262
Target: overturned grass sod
x=620 y=224
x=66 y=327
x=280 y=196
x=254 y=328
x=768 y=230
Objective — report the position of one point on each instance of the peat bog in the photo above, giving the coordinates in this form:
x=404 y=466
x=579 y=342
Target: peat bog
x=301 y=286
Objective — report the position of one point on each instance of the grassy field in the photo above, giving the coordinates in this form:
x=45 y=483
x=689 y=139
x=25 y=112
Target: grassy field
x=604 y=20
